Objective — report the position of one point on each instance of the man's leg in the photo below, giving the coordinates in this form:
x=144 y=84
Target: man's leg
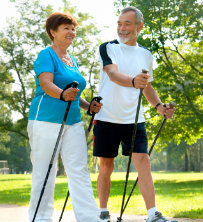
x=146 y=185
x=106 y=142
x=104 y=180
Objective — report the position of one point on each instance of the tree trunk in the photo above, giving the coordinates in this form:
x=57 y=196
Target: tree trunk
x=200 y=156
x=60 y=167
x=192 y=162
x=196 y=157
x=186 y=161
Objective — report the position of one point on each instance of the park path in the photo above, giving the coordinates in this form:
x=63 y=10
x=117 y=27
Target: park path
x=14 y=213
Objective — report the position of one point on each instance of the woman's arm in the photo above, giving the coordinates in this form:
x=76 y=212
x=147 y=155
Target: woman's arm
x=83 y=104
x=46 y=82
x=95 y=106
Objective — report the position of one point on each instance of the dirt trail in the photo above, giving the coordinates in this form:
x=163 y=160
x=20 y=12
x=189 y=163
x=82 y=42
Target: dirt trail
x=14 y=213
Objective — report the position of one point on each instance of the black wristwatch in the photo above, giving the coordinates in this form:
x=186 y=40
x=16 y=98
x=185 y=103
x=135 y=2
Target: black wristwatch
x=157 y=106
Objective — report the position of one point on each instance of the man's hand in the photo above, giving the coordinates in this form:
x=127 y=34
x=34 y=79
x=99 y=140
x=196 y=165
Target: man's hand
x=166 y=112
x=141 y=80
x=95 y=107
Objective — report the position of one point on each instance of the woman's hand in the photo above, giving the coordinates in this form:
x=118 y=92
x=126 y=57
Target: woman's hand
x=95 y=107
x=70 y=94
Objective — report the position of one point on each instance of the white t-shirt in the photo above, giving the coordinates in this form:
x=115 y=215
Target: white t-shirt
x=119 y=102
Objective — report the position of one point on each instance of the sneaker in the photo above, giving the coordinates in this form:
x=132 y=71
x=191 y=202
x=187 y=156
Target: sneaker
x=159 y=218
x=105 y=215
x=104 y=220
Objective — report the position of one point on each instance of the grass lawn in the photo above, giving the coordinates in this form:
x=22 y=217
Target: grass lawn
x=177 y=194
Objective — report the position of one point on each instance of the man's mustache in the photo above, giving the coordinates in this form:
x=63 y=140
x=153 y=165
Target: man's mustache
x=124 y=32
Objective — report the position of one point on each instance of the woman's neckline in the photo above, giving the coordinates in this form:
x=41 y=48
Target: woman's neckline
x=62 y=60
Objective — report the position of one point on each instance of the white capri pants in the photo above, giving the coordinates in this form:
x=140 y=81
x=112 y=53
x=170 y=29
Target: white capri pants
x=73 y=149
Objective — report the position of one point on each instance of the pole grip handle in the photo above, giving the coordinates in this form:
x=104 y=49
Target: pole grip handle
x=75 y=84
x=98 y=99
x=145 y=70
x=172 y=104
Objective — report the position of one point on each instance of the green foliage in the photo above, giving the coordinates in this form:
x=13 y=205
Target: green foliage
x=173 y=32
x=5 y=115
x=182 y=157
x=16 y=151
x=4 y=151
x=19 y=42
x=177 y=194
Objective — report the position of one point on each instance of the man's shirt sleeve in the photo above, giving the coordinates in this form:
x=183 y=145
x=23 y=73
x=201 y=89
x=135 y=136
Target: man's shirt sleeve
x=106 y=54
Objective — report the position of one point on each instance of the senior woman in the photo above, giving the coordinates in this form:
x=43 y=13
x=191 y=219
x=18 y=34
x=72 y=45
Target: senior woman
x=55 y=69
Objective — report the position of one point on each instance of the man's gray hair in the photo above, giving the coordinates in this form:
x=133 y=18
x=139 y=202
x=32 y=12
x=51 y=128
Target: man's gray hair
x=138 y=14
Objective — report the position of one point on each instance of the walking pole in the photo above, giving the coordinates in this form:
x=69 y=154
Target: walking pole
x=172 y=104
x=54 y=152
x=119 y=219
x=97 y=99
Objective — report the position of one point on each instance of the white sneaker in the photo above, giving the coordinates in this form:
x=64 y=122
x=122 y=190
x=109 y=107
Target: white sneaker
x=105 y=215
x=159 y=218
x=103 y=220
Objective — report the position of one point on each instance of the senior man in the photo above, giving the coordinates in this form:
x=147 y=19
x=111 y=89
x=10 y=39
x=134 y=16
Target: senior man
x=121 y=78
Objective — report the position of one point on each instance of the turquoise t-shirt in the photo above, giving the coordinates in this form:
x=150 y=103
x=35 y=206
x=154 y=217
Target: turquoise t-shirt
x=49 y=109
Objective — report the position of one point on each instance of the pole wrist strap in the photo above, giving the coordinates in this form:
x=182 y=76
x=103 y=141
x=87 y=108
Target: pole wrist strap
x=88 y=111
x=61 y=95
x=97 y=99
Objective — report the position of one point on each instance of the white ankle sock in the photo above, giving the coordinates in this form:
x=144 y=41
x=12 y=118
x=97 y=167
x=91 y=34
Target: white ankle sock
x=103 y=209
x=151 y=213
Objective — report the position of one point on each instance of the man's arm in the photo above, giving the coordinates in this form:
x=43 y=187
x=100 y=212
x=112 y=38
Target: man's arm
x=152 y=97
x=122 y=79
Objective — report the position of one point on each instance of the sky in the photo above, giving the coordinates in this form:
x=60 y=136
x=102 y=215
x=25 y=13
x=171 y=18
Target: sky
x=103 y=11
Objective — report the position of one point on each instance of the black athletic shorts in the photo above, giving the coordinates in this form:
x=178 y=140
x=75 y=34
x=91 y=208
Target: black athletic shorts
x=108 y=136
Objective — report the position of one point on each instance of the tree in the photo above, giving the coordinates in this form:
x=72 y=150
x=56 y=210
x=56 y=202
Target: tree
x=20 y=43
x=173 y=32
x=19 y=154
x=4 y=116
x=182 y=157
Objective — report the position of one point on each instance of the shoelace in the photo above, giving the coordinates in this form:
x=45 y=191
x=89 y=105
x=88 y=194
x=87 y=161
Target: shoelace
x=159 y=216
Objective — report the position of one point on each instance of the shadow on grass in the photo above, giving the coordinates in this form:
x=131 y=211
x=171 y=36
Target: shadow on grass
x=6 y=180
x=193 y=213
x=162 y=187
x=20 y=196
x=165 y=188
